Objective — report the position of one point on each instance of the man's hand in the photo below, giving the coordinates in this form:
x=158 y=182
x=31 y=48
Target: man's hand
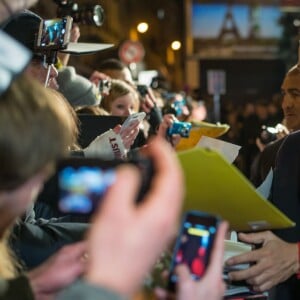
x=274 y=262
x=58 y=272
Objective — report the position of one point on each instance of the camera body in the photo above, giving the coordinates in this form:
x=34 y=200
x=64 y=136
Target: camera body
x=181 y=128
x=81 y=183
x=268 y=134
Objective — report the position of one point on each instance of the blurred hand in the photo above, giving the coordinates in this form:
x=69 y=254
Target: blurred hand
x=75 y=33
x=13 y=6
x=274 y=262
x=98 y=76
x=126 y=239
x=211 y=285
x=128 y=135
x=148 y=101
x=58 y=272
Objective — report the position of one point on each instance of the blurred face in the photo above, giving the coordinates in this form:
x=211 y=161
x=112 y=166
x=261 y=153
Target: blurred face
x=123 y=106
x=291 y=101
x=38 y=69
x=13 y=6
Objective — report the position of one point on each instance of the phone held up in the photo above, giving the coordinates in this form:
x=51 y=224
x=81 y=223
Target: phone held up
x=193 y=245
x=54 y=34
x=81 y=183
x=132 y=119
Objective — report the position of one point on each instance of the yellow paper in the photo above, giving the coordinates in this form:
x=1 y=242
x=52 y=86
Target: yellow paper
x=198 y=130
x=215 y=186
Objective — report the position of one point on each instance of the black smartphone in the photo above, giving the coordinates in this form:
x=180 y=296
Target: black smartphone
x=54 y=33
x=193 y=245
x=81 y=183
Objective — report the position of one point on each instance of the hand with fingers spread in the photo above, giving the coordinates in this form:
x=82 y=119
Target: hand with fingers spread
x=274 y=262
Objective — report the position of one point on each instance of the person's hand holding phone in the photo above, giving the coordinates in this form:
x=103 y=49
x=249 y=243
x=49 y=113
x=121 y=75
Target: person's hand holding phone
x=130 y=129
x=58 y=272
x=122 y=230
x=211 y=285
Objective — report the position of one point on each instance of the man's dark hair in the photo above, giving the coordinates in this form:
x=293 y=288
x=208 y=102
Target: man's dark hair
x=111 y=64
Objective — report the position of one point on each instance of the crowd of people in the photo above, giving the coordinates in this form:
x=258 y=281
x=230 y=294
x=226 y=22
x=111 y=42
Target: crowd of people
x=49 y=256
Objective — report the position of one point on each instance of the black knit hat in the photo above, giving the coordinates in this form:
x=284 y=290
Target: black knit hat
x=24 y=27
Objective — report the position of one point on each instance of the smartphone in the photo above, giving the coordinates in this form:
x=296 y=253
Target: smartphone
x=193 y=245
x=54 y=33
x=136 y=117
x=81 y=183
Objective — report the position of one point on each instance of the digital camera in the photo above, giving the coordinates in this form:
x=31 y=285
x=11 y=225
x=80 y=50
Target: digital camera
x=181 y=128
x=81 y=183
x=269 y=134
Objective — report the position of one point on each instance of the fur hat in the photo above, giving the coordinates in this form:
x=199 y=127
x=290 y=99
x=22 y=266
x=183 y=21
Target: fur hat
x=78 y=90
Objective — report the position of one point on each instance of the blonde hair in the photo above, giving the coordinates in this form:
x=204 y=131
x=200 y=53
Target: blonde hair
x=118 y=89
x=35 y=130
x=9 y=265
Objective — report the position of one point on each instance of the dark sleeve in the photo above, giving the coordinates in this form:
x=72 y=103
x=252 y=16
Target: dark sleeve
x=34 y=243
x=286 y=185
x=16 y=289
x=155 y=118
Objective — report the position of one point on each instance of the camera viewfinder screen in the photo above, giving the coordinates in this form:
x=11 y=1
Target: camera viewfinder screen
x=54 y=32
x=81 y=188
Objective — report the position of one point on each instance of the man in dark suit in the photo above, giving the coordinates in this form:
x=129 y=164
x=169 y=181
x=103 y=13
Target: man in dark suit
x=277 y=262
x=291 y=109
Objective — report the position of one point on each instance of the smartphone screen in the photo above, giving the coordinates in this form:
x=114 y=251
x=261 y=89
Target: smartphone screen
x=54 y=32
x=193 y=245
